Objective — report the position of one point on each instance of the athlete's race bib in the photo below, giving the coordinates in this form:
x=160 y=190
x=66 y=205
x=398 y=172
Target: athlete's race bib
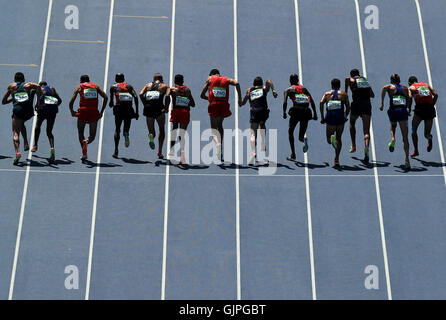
x=21 y=96
x=334 y=105
x=256 y=93
x=424 y=92
x=219 y=92
x=399 y=101
x=50 y=100
x=90 y=93
x=125 y=96
x=301 y=98
x=362 y=83
x=152 y=95
x=181 y=101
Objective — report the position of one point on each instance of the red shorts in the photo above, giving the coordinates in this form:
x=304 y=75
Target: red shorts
x=88 y=114
x=219 y=110
x=180 y=115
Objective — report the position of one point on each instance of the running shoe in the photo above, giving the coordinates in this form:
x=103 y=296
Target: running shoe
x=414 y=154
x=160 y=155
x=352 y=149
x=292 y=157
x=84 y=157
x=17 y=158
x=407 y=164
x=252 y=160
x=34 y=149
x=429 y=144
x=336 y=163
x=151 y=142
x=334 y=143
x=391 y=145
x=305 y=147
x=52 y=154
x=366 y=155
x=115 y=154
x=26 y=147
x=127 y=140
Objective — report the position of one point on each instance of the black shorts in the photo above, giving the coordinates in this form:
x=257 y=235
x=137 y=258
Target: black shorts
x=397 y=114
x=258 y=115
x=125 y=112
x=46 y=115
x=425 y=111
x=22 y=112
x=359 y=108
x=152 y=112
x=300 y=113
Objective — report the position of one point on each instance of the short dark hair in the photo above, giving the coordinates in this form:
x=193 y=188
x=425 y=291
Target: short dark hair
x=258 y=81
x=43 y=83
x=354 y=73
x=335 y=84
x=294 y=79
x=412 y=79
x=214 y=72
x=19 y=77
x=395 y=78
x=179 y=79
x=119 y=77
x=158 y=76
x=85 y=78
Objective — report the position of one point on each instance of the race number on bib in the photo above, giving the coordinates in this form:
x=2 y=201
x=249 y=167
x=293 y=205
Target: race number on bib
x=399 y=101
x=256 y=93
x=152 y=95
x=182 y=101
x=219 y=92
x=21 y=96
x=125 y=96
x=362 y=83
x=301 y=98
x=50 y=100
x=334 y=105
x=424 y=92
x=90 y=94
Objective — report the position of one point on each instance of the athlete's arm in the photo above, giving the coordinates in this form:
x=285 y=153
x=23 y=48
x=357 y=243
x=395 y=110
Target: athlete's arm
x=104 y=101
x=245 y=98
x=205 y=89
x=111 y=103
x=167 y=100
x=313 y=105
x=321 y=106
x=434 y=94
x=143 y=91
x=191 y=99
x=347 y=83
x=269 y=84
x=56 y=95
x=73 y=98
x=372 y=94
x=347 y=104
x=6 y=99
x=135 y=98
x=383 y=95
x=408 y=96
x=235 y=83
x=285 y=100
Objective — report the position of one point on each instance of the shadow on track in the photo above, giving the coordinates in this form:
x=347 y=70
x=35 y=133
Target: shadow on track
x=430 y=163
x=372 y=164
x=413 y=169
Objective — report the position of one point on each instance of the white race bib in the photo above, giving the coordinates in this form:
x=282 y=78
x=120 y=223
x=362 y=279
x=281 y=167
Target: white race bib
x=399 y=101
x=152 y=95
x=301 y=98
x=50 y=100
x=90 y=93
x=219 y=92
x=125 y=96
x=424 y=92
x=182 y=101
x=256 y=93
x=362 y=83
x=334 y=105
x=21 y=96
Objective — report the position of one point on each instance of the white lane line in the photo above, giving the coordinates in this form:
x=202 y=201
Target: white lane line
x=429 y=77
x=166 y=188
x=375 y=169
x=98 y=168
x=237 y=161
x=28 y=168
x=307 y=179
x=140 y=17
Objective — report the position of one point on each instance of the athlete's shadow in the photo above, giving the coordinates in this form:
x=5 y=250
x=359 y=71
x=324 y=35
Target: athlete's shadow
x=372 y=164
x=311 y=165
x=412 y=169
x=53 y=164
x=134 y=161
x=4 y=157
x=232 y=166
x=187 y=166
x=348 y=168
x=91 y=164
x=430 y=163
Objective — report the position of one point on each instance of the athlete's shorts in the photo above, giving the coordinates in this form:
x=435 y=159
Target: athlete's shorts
x=22 y=112
x=397 y=114
x=258 y=115
x=180 y=115
x=300 y=113
x=125 y=112
x=219 y=110
x=335 y=118
x=152 y=112
x=88 y=114
x=425 y=111
x=47 y=114
x=359 y=108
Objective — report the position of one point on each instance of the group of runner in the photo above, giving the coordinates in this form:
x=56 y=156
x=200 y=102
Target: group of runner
x=156 y=97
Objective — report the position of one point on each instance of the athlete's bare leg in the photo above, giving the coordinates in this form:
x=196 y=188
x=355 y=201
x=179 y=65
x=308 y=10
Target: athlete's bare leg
x=161 y=120
x=416 y=120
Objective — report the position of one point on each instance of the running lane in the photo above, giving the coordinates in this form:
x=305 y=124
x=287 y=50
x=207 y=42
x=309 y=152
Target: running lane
x=344 y=206
x=201 y=246
x=23 y=46
x=412 y=202
x=128 y=243
x=57 y=218
x=275 y=254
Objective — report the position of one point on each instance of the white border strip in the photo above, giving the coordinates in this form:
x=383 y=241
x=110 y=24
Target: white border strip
x=237 y=161
x=28 y=168
x=307 y=179
x=98 y=168
x=429 y=77
x=166 y=189
x=375 y=169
